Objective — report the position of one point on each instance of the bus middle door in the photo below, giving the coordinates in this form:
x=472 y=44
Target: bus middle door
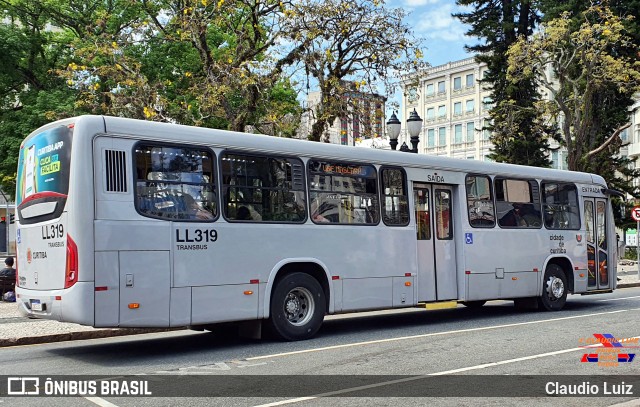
x=435 y=242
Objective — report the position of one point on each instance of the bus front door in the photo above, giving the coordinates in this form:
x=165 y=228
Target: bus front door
x=595 y=213
x=433 y=206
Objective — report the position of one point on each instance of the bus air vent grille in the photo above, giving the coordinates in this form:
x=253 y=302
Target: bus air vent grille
x=298 y=176
x=116 y=171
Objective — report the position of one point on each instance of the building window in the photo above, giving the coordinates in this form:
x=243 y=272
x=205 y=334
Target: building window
x=469 y=82
x=344 y=126
x=518 y=203
x=442 y=111
x=431 y=113
x=480 y=202
x=457 y=108
x=395 y=205
x=457 y=83
x=263 y=189
x=441 y=88
x=470 y=106
x=457 y=138
x=470 y=132
x=486 y=103
x=343 y=193
x=431 y=138
x=486 y=134
x=442 y=136
x=624 y=135
x=554 y=160
x=175 y=183
x=430 y=89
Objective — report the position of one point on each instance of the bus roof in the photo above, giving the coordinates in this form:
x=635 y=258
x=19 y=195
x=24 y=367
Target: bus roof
x=258 y=143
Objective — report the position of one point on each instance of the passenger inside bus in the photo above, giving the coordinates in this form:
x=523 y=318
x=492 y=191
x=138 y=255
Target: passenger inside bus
x=194 y=210
x=243 y=213
x=522 y=215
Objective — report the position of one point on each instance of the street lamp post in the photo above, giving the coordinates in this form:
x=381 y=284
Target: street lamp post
x=393 y=128
x=414 y=125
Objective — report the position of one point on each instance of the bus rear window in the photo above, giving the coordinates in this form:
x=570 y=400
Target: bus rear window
x=43 y=174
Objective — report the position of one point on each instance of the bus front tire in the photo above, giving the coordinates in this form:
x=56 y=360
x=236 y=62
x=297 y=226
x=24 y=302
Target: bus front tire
x=554 y=289
x=297 y=307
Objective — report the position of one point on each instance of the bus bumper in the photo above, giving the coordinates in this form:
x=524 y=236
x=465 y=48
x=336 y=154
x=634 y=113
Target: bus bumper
x=73 y=304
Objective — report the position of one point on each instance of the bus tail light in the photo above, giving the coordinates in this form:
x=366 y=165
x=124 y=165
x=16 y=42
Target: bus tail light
x=71 y=270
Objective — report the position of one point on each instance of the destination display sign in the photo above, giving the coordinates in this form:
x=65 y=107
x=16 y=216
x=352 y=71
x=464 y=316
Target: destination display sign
x=329 y=168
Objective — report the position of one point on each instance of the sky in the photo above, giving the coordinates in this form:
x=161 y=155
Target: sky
x=444 y=35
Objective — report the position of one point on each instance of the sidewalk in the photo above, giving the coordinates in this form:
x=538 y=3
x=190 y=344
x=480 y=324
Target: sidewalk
x=18 y=330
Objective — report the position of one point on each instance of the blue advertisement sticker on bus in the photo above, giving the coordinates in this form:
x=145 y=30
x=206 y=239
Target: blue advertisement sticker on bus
x=468 y=238
x=43 y=164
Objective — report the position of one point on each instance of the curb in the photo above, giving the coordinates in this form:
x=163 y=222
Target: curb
x=79 y=335
x=628 y=285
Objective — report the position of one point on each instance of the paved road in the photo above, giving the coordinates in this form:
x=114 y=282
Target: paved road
x=406 y=342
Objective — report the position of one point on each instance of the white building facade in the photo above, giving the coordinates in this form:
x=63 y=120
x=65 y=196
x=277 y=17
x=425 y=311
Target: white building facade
x=455 y=108
x=364 y=124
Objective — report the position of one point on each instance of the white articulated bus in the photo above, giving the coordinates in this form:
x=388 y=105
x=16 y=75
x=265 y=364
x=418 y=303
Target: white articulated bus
x=126 y=223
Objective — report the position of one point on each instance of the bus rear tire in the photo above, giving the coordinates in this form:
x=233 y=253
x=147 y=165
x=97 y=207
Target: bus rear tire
x=474 y=304
x=554 y=289
x=297 y=307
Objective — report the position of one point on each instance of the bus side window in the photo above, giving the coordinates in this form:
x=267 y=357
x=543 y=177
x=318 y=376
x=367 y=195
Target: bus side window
x=480 y=202
x=169 y=178
x=263 y=188
x=518 y=203
x=395 y=204
x=560 y=206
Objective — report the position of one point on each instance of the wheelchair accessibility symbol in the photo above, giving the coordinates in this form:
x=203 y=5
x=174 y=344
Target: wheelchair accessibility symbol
x=468 y=238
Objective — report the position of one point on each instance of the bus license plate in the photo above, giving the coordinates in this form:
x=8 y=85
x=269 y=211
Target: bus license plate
x=36 y=305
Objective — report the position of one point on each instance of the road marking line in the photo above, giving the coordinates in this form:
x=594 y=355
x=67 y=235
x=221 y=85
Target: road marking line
x=402 y=338
x=422 y=377
x=618 y=299
x=100 y=402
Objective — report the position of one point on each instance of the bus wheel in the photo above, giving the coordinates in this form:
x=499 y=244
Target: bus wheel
x=554 y=289
x=297 y=307
x=474 y=304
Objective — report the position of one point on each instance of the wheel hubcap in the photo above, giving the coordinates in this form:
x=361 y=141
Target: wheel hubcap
x=299 y=306
x=555 y=288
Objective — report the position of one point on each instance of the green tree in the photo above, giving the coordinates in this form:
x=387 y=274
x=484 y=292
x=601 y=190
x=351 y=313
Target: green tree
x=236 y=72
x=581 y=68
x=29 y=95
x=611 y=106
x=351 y=46
x=518 y=134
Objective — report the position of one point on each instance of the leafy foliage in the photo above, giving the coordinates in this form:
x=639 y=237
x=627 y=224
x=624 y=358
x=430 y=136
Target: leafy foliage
x=351 y=46
x=587 y=75
x=518 y=133
x=222 y=63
